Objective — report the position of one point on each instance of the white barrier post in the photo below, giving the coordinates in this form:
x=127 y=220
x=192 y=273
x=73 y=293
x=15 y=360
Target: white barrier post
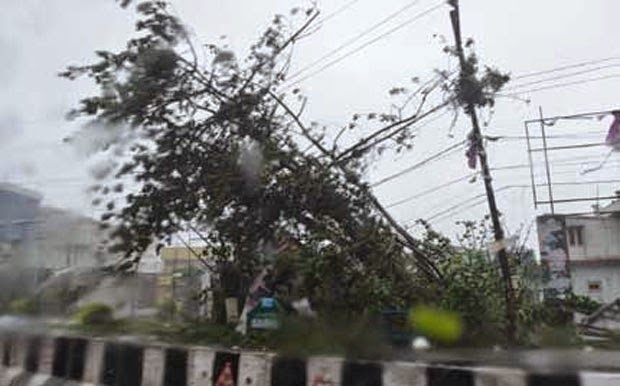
x=200 y=366
x=492 y=376
x=323 y=371
x=153 y=363
x=255 y=369
x=94 y=361
x=599 y=379
x=404 y=373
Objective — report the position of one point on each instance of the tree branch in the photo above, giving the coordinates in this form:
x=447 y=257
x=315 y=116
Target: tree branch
x=289 y=41
x=197 y=255
x=404 y=124
x=301 y=126
x=426 y=264
x=335 y=144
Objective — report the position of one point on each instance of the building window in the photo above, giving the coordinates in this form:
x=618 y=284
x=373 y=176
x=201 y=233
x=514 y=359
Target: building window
x=575 y=235
x=594 y=286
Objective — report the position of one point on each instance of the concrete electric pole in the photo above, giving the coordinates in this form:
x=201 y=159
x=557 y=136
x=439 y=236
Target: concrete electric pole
x=498 y=232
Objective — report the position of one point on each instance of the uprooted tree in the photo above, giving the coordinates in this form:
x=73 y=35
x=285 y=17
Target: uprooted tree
x=213 y=145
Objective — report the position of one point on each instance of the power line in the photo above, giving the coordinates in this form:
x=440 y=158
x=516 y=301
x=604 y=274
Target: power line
x=441 y=154
x=356 y=50
x=339 y=11
x=483 y=195
x=569 y=75
x=576 y=183
x=568 y=67
x=492 y=137
x=560 y=85
x=356 y=37
x=470 y=176
x=513 y=187
x=431 y=190
x=452 y=148
x=588 y=115
x=561 y=162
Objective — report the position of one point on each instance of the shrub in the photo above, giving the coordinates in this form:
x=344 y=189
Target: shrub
x=94 y=314
x=23 y=307
x=582 y=304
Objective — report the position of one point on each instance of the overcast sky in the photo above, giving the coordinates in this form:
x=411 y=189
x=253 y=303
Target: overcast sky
x=39 y=37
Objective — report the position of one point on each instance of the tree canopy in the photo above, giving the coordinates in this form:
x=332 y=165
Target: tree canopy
x=211 y=146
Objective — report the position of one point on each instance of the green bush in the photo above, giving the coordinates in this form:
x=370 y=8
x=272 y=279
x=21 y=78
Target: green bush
x=94 y=314
x=474 y=290
x=337 y=335
x=23 y=307
x=582 y=304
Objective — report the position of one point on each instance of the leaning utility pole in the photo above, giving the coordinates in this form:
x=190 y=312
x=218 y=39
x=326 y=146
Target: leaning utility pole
x=470 y=109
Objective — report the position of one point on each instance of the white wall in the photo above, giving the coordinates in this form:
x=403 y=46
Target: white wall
x=601 y=238
x=608 y=275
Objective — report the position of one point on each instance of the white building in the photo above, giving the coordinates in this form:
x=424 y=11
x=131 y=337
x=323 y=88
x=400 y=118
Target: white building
x=594 y=252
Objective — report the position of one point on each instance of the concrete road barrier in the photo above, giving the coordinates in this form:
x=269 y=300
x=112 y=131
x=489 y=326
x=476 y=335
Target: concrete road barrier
x=71 y=360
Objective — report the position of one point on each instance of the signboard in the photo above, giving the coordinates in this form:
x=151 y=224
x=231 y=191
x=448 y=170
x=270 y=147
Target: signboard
x=265 y=315
x=396 y=326
x=553 y=255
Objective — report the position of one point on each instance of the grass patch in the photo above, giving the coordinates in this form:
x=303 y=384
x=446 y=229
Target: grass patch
x=94 y=314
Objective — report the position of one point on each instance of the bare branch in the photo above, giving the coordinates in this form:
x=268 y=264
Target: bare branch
x=399 y=126
x=289 y=41
x=302 y=107
x=306 y=133
x=342 y=130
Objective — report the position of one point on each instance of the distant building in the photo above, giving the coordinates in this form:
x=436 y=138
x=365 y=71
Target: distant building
x=183 y=277
x=67 y=239
x=19 y=209
x=178 y=259
x=594 y=252
x=44 y=237
x=582 y=253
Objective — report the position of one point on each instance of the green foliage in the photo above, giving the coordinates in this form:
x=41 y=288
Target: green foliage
x=550 y=336
x=550 y=323
x=94 y=314
x=25 y=306
x=475 y=291
x=582 y=304
x=356 y=338
x=204 y=333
